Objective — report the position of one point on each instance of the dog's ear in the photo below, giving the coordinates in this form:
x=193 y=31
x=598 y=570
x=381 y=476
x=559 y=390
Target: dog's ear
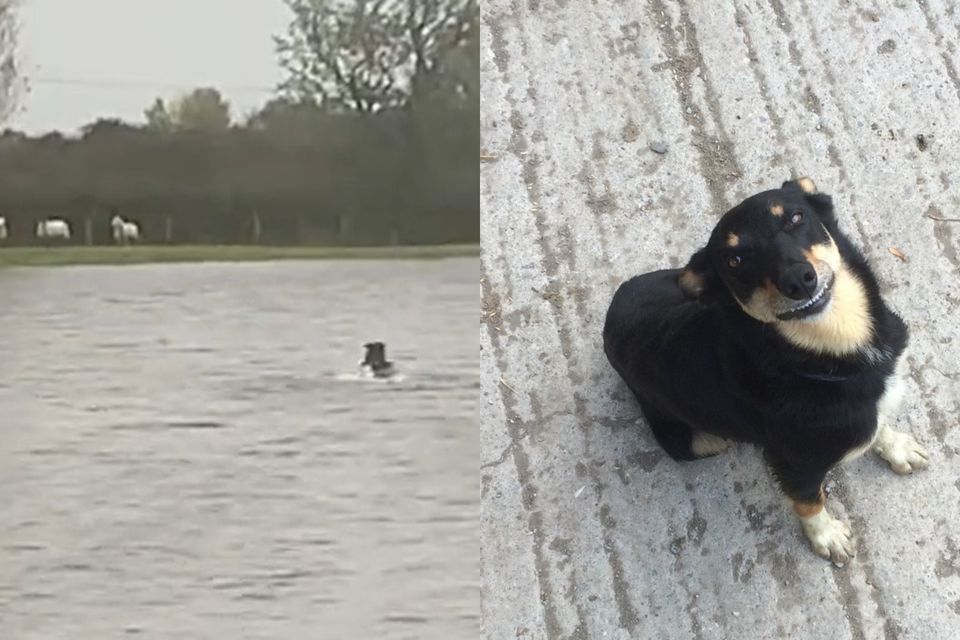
x=698 y=279
x=804 y=184
x=821 y=202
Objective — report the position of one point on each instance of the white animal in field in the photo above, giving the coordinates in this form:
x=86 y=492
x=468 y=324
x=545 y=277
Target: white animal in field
x=53 y=228
x=124 y=231
x=3 y=228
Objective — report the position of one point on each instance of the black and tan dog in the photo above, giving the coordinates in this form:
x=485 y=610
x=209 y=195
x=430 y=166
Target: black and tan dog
x=774 y=333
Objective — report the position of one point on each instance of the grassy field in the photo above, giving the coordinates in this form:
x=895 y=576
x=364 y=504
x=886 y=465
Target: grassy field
x=54 y=256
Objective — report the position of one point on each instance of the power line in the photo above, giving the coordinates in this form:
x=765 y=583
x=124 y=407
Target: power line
x=141 y=84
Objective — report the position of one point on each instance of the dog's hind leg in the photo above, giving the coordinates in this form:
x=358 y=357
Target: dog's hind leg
x=705 y=444
x=679 y=440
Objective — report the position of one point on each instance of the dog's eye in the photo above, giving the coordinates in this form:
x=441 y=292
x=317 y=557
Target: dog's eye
x=734 y=261
x=796 y=218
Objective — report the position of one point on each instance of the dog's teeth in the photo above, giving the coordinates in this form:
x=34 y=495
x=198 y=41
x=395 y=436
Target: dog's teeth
x=815 y=299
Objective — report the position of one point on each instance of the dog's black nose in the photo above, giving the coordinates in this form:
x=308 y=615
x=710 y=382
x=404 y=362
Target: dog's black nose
x=798 y=281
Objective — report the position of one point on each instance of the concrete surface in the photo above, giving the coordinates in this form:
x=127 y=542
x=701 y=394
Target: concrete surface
x=588 y=530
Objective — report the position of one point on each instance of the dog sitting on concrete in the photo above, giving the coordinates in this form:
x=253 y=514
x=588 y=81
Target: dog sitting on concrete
x=775 y=334
x=375 y=361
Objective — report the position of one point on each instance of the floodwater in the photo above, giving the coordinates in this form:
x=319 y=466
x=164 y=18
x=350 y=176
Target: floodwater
x=185 y=453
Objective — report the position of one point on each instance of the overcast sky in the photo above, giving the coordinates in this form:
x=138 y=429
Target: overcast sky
x=88 y=59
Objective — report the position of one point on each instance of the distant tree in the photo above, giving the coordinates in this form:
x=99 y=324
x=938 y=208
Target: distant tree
x=202 y=109
x=453 y=78
x=13 y=135
x=368 y=55
x=51 y=138
x=441 y=33
x=107 y=126
x=158 y=118
x=303 y=123
x=343 y=56
x=443 y=128
x=10 y=81
x=278 y=113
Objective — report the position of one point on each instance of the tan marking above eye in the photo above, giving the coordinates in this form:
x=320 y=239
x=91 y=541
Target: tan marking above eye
x=807 y=185
x=776 y=209
x=733 y=240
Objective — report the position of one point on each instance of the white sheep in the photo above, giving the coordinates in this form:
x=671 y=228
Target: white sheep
x=53 y=228
x=124 y=231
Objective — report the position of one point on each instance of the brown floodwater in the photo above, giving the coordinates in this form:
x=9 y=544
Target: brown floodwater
x=186 y=451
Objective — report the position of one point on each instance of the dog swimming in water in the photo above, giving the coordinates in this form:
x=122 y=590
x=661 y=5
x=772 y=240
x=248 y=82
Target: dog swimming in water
x=375 y=361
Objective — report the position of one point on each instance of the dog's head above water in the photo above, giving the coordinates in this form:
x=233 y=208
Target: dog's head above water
x=776 y=253
x=375 y=354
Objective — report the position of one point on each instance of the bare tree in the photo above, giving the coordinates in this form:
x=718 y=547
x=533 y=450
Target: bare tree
x=339 y=54
x=10 y=83
x=435 y=27
x=446 y=49
x=368 y=55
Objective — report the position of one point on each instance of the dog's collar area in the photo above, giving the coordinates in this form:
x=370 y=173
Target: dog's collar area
x=823 y=377
x=839 y=371
x=830 y=375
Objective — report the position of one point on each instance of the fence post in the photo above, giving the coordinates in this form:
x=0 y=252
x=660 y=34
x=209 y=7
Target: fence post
x=256 y=227
x=88 y=231
x=168 y=231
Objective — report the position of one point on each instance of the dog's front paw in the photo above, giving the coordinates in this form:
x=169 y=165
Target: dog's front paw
x=901 y=451
x=829 y=537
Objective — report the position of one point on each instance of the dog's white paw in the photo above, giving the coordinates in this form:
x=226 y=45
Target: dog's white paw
x=829 y=537
x=901 y=451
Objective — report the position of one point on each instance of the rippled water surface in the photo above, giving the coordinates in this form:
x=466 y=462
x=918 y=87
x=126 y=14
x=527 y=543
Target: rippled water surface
x=184 y=453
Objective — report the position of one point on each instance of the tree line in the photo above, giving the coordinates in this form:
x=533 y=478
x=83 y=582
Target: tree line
x=339 y=156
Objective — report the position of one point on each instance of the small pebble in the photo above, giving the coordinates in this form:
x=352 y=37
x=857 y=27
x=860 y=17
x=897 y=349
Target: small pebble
x=658 y=147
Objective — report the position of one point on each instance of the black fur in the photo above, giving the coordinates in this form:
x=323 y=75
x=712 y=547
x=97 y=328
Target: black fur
x=704 y=364
x=376 y=358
